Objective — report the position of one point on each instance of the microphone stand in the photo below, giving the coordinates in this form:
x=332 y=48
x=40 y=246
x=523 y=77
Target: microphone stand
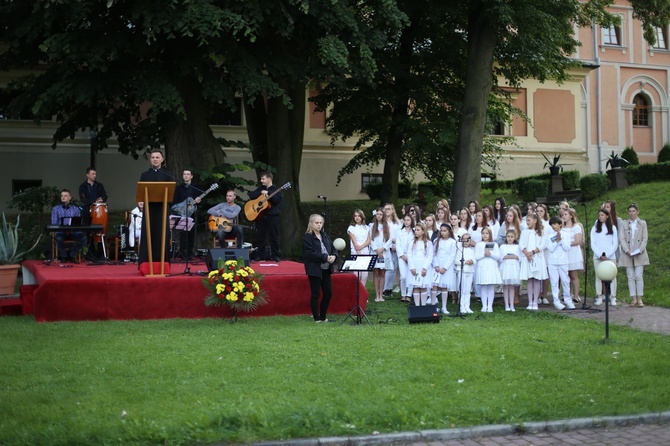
x=586 y=264
x=324 y=213
x=460 y=282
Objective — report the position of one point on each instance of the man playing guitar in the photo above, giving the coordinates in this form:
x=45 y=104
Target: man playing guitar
x=225 y=217
x=267 y=224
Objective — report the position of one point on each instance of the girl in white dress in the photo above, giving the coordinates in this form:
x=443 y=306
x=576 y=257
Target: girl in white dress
x=444 y=248
x=405 y=236
x=604 y=244
x=465 y=274
x=419 y=259
x=431 y=229
x=359 y=236
x=574 y=229
x=542 y=212
x=510 y=267
x=380 y=235
x=491 y=221
x=487 y=272
x=533 y=263
x=458 y=232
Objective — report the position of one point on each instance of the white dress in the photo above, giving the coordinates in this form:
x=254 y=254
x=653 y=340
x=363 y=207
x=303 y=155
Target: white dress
x=510 y=268
x=444 y=257
x=360 y=233
x=419 y=257
x=487 y=271
x=575 y=255
x=386 y=260
x=537 y=269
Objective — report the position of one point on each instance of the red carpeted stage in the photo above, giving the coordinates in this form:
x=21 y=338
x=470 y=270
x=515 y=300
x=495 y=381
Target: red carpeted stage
x=101 y=292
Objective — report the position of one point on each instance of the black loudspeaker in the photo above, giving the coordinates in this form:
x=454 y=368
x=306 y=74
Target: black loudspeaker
x=215 y=254
x=426 y=313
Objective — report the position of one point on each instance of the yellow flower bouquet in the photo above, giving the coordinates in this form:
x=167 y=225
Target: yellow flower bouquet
x=236 y=285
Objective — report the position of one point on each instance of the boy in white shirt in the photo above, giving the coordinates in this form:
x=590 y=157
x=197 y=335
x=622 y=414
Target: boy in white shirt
x=557 y=264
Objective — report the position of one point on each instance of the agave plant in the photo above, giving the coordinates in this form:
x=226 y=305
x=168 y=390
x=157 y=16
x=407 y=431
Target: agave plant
x=615 y=160
x=9 y=242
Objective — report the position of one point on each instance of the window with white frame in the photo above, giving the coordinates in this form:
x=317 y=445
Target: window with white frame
x=661 y=38
x=612 y=35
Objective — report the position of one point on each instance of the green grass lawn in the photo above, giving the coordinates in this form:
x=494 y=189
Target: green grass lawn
x=203 y=381
x=183 y=382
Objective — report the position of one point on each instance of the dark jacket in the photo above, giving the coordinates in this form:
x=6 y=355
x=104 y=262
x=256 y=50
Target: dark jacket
x=311 y=252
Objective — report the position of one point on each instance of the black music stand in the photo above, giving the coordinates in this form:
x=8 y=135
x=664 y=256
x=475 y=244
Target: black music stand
x=358 y=263
x=182 y=224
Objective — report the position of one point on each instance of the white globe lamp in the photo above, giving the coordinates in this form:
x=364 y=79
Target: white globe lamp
x=339 y=244
x=606 y=271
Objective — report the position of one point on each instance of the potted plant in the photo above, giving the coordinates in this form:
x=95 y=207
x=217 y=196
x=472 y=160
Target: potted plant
x=615 y=161
x=555 y=166
x=9 y=258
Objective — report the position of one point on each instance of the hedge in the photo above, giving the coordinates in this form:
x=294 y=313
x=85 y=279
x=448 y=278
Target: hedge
x=374 y=190
x=594 y=186
x=534 y=188
x=570 y=181
x=646 y=173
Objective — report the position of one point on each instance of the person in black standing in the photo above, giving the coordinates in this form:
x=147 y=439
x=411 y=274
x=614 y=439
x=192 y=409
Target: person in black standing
x=155 y=174
x=91 y=192
x=319 y=255
x=183 y=192
x=267 y=224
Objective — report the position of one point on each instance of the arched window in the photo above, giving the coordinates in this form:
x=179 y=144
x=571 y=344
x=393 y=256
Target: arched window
x=640 y=111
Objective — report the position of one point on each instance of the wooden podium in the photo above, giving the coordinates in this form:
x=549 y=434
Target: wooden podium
x=153 y=194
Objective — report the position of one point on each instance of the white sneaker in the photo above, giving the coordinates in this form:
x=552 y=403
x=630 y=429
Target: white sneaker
x=444 y=311
x=599 y=301
x=559 y=306
x=570 y=305
x=612 y=301
x=512 y=310
x=545 y=301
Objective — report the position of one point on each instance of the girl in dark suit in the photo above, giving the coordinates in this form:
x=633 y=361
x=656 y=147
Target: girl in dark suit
x=319 y=254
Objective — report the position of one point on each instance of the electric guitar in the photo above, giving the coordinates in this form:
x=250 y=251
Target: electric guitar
x=216 y=223
x=254 y=208
x=187 y=207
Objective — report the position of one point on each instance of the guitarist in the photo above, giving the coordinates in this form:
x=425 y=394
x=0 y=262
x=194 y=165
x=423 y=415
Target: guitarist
x=267 y=223
x=230 y=211
x=183 y=192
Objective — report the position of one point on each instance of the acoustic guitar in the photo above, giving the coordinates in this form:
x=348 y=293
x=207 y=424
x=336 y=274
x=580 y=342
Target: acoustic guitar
x=216 y=223
x=187 y=207
x=254 y=208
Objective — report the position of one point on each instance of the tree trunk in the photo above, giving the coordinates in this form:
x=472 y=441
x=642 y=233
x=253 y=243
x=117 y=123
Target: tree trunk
x=190 y=143
x=396 y=132
x=478 y=86
x=257 y=129
x=285 y=133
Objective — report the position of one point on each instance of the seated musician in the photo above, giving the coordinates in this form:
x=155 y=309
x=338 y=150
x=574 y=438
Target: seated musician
x=227 y=213
x=61 y=216
x=135 y=224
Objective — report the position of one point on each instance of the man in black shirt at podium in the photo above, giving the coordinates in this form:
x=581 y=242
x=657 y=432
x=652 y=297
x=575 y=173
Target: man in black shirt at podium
x=155 y=174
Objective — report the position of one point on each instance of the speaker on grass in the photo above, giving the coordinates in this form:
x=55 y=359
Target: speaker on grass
x=426 y=313
x=215 y=254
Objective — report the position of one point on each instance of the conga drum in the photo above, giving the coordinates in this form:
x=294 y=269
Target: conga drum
x=99 y=217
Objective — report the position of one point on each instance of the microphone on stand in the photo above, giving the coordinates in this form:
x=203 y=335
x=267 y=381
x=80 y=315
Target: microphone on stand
x=323 y=197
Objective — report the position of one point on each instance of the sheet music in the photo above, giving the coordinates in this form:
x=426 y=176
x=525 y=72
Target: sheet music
x=181 y=223
x=357 y=263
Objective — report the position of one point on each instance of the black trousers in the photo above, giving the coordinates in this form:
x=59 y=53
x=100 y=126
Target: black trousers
x=268 y=228
x=316 y=285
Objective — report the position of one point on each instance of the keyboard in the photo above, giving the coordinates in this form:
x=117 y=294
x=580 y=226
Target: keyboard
x=89 y=228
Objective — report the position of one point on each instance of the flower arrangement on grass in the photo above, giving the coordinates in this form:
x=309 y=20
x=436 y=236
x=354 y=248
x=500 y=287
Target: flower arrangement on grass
x=236 y=285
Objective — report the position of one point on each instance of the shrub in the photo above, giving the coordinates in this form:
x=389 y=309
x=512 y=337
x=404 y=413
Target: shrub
x=570 y=181
x=630 y=155
x=533 y=189
x=432 y=188
x=374 y=190
x=646 y=173
x=664 y=154
x=594 y=185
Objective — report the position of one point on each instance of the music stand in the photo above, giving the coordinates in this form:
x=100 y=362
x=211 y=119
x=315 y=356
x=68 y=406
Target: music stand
x=358 y=263
x=152 y=194
x=179 y=223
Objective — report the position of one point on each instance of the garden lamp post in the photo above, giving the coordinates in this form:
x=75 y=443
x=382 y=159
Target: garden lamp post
x=606 y=272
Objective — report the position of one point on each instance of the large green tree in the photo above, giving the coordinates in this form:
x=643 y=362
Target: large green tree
x=152 y=72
